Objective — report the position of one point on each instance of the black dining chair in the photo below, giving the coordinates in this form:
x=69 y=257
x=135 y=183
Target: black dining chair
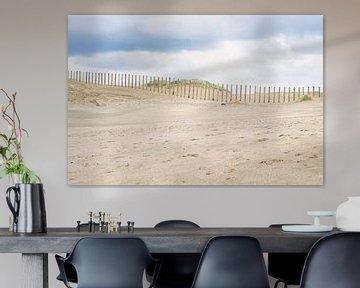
x=333 y=262
x=285 y=267
x=178 y=269
x=232 y=262
x=70 y=271
x=108 y=263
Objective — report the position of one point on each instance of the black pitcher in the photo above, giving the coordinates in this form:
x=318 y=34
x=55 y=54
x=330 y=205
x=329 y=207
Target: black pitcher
x=28 y=208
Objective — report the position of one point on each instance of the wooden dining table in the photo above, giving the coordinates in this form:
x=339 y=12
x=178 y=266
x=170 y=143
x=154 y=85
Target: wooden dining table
x=35 y=247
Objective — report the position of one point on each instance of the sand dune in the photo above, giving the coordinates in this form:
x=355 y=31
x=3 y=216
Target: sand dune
x=121 y=136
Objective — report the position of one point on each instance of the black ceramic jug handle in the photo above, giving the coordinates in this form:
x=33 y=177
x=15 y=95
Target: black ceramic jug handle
x=13 y=208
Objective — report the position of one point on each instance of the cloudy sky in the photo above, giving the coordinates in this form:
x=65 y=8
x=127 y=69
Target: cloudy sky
x=276 y=50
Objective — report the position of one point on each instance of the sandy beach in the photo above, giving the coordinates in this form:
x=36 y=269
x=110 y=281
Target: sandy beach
x=122 y=136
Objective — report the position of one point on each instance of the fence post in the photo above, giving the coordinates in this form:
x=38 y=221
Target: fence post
x=249 y=93
x=264 y=94
x=268 y=94
x=274 y=96
x=319 y=92
x=193 y=89
x=188 y=88
x=226 y=93
x=222 y=92
x=240 y=91
x=259 y=100
x=279 y=92
x=169 y=86
x=289 y=95
x=255 y=90
x=236 y=92
x=245 y=93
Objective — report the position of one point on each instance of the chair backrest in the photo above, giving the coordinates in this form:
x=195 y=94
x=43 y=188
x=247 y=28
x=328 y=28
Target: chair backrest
x=232 y=262
x=176 y=224
x=110 y=262
x=178 y=269
x=333 y=262
x=286 y=267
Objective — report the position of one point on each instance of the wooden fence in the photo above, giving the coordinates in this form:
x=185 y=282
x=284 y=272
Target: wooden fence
x=198 y=89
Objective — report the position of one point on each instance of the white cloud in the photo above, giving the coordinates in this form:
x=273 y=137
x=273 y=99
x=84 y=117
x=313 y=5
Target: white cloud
x=277 y=61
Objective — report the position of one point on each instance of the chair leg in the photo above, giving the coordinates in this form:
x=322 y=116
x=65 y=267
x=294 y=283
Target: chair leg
x=278 y=282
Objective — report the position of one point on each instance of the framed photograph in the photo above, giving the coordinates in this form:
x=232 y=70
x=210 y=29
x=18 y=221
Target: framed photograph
x=195 y=100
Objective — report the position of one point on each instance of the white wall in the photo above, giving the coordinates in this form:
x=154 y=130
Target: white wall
x=33 y=62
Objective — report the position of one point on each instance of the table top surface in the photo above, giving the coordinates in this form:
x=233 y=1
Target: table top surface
x=158 y=240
